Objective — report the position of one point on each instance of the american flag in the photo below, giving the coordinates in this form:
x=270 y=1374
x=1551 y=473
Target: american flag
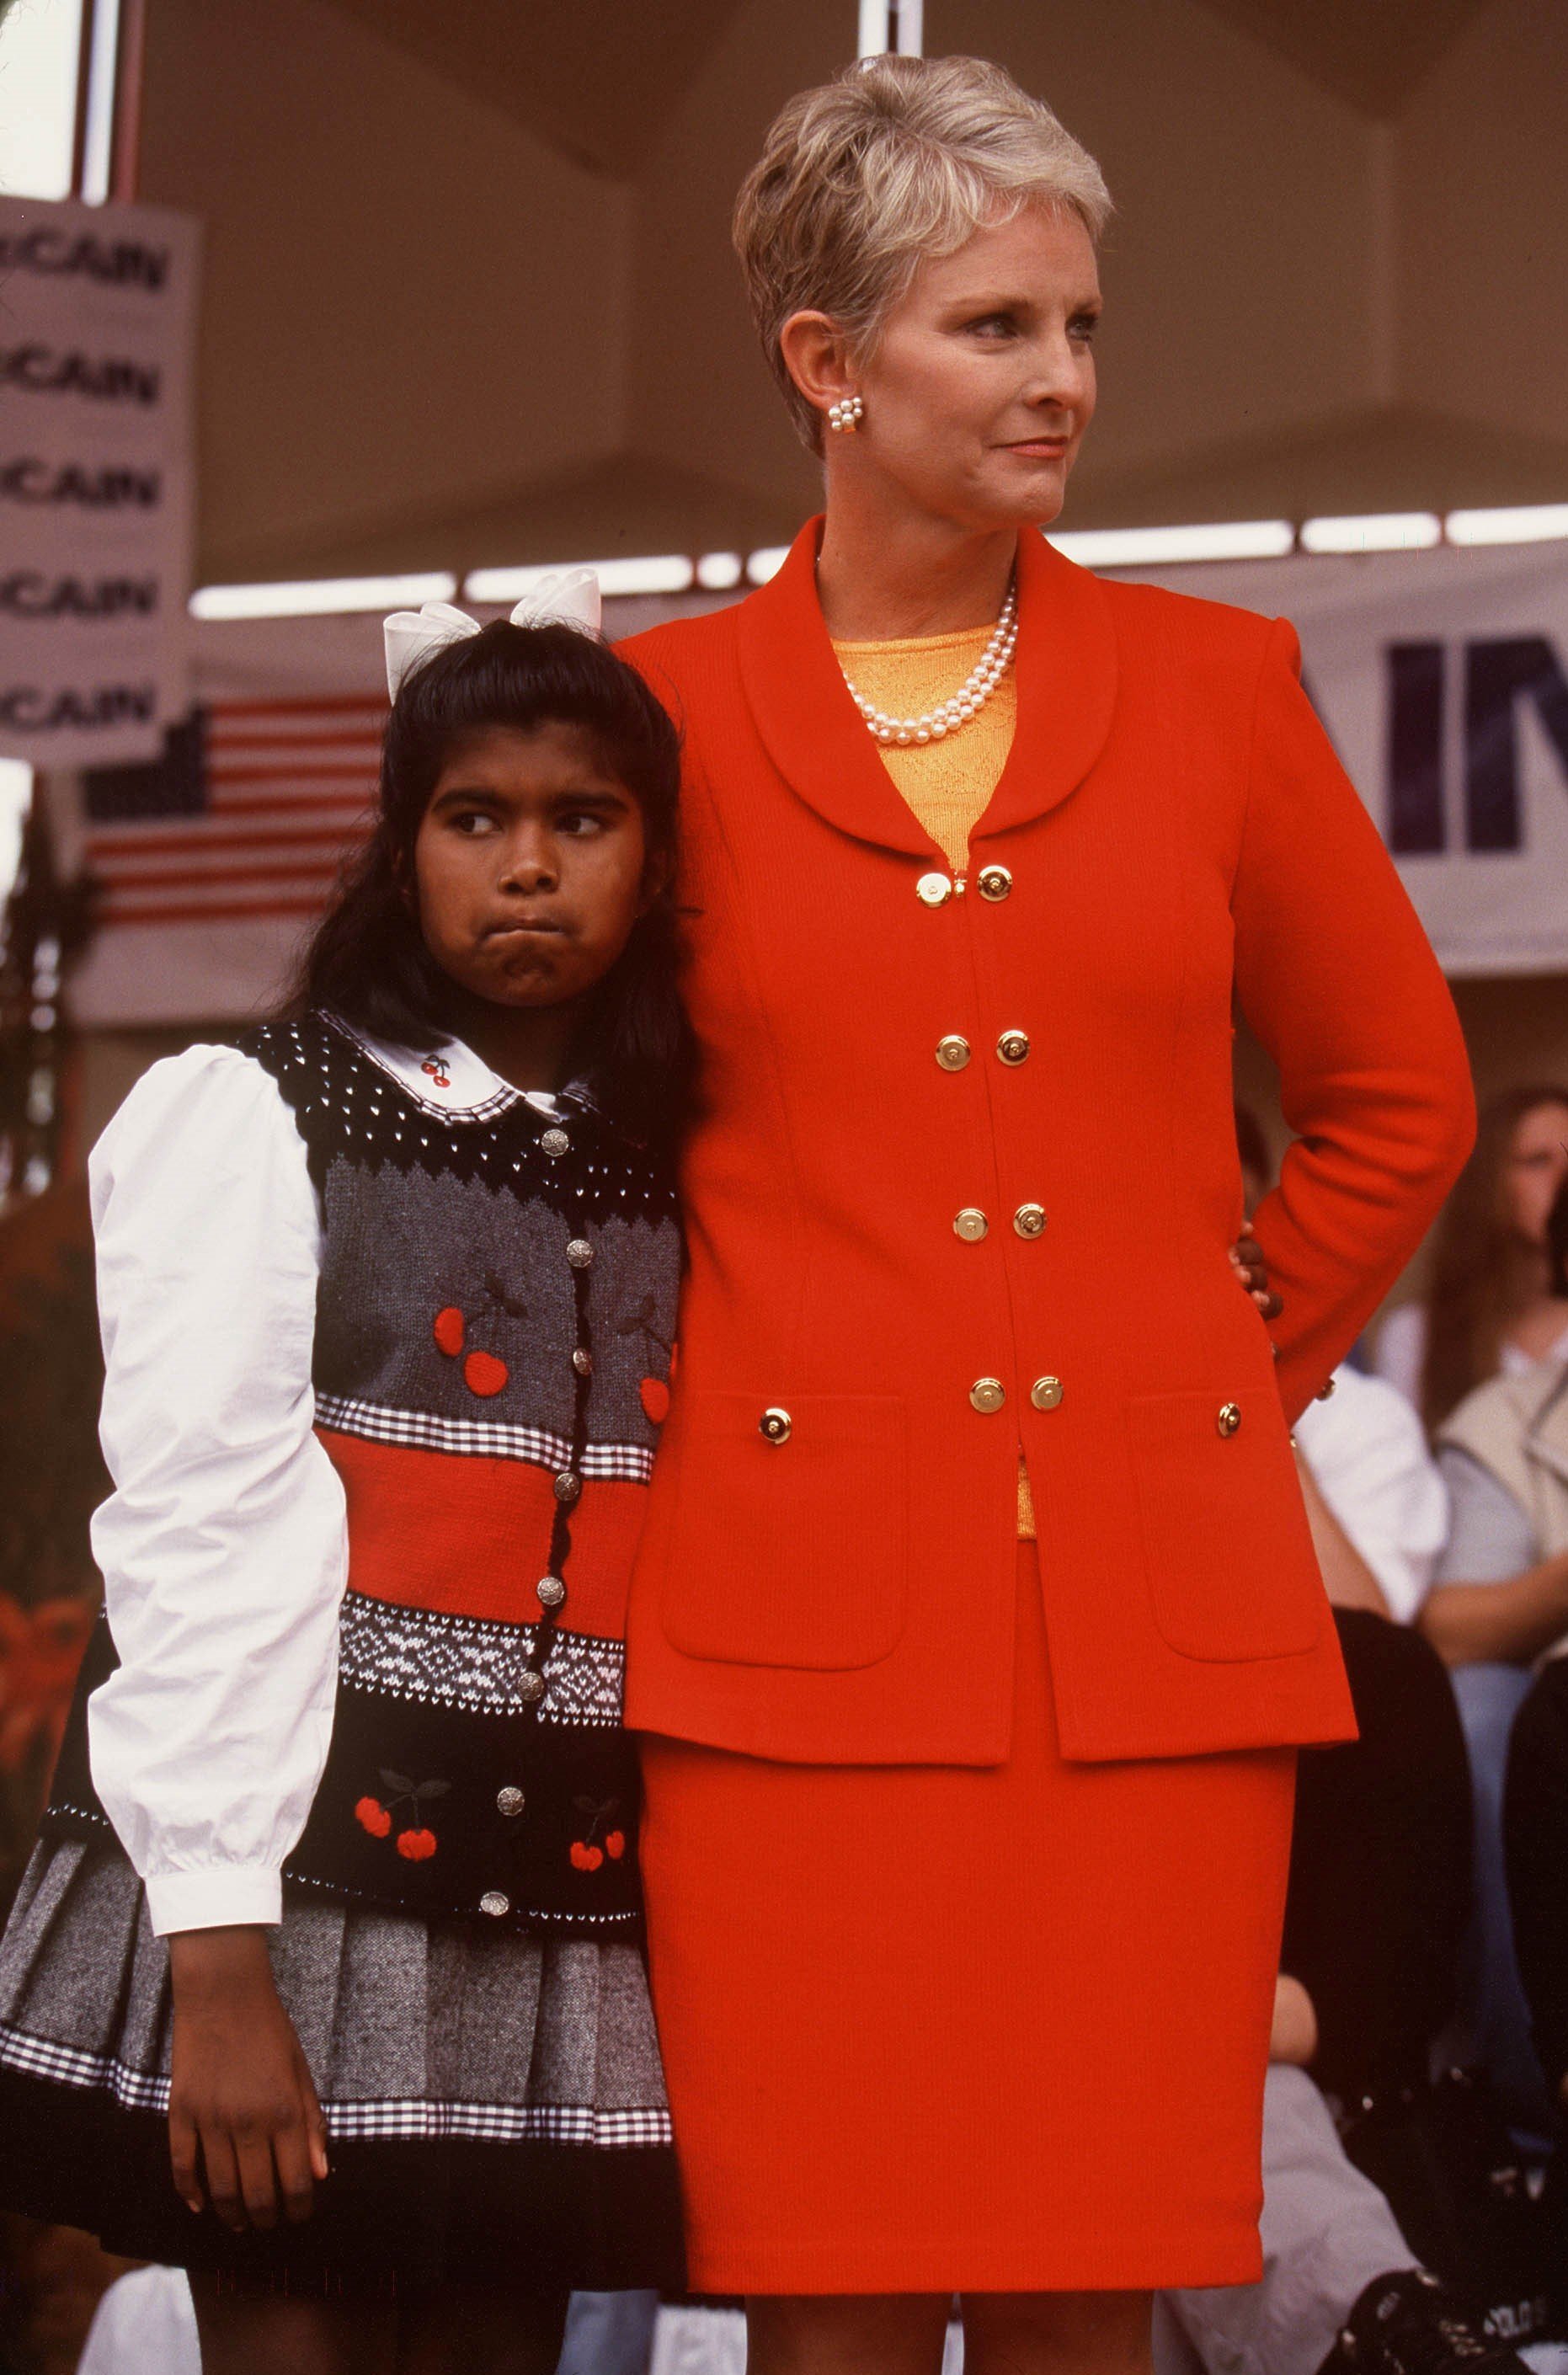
x=248 y=814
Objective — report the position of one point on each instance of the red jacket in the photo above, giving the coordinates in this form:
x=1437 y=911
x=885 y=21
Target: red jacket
x=1172 y=833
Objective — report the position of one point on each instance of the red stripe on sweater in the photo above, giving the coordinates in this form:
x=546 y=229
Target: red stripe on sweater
x=470 y=1536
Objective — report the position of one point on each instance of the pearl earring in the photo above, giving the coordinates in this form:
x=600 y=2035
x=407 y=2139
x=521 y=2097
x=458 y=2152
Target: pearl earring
x=846 y=416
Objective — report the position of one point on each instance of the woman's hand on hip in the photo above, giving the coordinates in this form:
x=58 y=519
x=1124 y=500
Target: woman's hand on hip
x=1246 y=1260
x=242 y=2108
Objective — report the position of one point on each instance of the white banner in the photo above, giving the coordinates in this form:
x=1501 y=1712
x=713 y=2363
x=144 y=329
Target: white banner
x=96 y=444
x=1442 y=676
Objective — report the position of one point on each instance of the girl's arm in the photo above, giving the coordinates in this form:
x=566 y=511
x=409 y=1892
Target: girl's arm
x=223 y=1553
x=223 y=1544
x=1335 y=975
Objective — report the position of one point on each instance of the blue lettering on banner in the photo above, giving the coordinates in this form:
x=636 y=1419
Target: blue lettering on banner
x=1499 y=673
x=26 y=595
x=28 y=478
x=1498 y=676
x=1416 y=822
x=107 y=379
x=33 y=709
x=115 y=263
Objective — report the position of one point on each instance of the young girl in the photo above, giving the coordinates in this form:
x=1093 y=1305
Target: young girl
x=326 y=1978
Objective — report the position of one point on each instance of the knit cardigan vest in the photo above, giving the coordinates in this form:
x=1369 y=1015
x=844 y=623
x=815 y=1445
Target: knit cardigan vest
x=495 y=1323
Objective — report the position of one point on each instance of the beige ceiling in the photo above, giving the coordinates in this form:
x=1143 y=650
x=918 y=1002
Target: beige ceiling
x=1370 y=54
x=597 y=78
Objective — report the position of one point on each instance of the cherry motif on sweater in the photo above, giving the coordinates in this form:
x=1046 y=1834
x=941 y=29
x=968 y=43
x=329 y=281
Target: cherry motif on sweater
x=434 y=1072
x=484 y=1374
x=654 y=1391
x=418 y=1843
x=589 y=1853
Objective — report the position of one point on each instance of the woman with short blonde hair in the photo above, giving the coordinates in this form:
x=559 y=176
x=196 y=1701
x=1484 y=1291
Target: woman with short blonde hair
x=898 y=160
x=977 y=1620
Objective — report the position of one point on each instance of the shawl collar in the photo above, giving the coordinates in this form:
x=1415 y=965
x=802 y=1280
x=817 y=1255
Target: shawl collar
x=1065 y=661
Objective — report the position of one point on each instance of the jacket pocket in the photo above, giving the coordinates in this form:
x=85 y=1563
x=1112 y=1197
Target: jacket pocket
x=789 y=1553
x=1231 y=1568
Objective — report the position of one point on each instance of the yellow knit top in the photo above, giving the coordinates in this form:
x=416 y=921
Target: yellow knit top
x=947 y=784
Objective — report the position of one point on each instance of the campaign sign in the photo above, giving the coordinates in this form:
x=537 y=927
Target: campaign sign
x=97 y=327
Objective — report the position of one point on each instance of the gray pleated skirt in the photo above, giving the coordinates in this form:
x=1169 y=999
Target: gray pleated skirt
x=495 y=2102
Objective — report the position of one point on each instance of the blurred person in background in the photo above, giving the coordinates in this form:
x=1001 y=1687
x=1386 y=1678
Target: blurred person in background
x=1497 y=1611
x=1536 y=1786
x=1375 y=1914
x=1379 y=1865
x=1489 y=1304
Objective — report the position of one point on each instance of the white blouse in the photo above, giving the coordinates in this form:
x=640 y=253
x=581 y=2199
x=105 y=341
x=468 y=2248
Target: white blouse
x=224 y=1546
x=1367 y=1450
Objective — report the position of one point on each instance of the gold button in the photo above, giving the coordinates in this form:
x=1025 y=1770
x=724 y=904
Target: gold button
x=971 y=1224
x=934 y=890
x=995 y=882
x=1013 y=1046
x=509 y=1800
x=952 y=1052
x=775 y=1425
x=555 y=1141
x=987 y=1394
x=567 y=1485
x=1045 y=1392
x=582 y=1362
x=550 y=1591
x=1028 y=1219
x=579 y=1253
x=1229 y=1418
x=494 y=1903
x=530 y=1688
x=1325 y=1390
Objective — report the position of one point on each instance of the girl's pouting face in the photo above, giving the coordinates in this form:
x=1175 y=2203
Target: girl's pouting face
x=530 y=865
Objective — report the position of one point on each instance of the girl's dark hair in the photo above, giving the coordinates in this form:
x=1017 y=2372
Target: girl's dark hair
x=1482 y=1270
x=367 y=959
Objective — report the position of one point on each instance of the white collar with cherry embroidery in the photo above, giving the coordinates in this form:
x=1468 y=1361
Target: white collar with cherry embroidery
x=453 y=1081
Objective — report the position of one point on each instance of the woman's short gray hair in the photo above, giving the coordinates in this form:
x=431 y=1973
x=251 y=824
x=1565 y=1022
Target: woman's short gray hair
x=893 y=161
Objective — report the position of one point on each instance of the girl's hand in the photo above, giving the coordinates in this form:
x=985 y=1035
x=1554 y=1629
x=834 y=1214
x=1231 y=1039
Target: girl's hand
x=1246 y=1259
x=242 y=2105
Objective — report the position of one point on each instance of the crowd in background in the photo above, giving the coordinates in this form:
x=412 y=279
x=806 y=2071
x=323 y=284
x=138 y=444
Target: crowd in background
x=1415 y=2118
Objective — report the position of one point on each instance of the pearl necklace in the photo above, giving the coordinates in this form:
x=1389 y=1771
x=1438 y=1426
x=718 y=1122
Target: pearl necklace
x=966 y=703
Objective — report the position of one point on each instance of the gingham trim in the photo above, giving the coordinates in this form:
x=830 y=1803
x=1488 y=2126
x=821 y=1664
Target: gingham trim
x=471 y=1662
x=626 y=1463
x=69 y=2065
x=548 y=2123
x=411 y=2119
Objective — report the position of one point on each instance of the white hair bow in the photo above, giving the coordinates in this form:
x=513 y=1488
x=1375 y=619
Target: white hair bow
x=564 y=600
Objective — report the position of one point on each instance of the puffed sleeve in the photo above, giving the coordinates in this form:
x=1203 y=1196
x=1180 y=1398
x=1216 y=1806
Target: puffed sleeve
x=223 y=1546
x=1335 y=974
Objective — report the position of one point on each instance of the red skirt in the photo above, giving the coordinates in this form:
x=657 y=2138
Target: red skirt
x=953 y=2029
